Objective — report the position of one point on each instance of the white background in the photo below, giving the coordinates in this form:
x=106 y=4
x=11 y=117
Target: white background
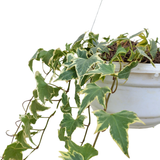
x=26 y=25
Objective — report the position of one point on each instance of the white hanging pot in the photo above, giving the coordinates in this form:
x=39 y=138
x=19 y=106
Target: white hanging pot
x=140 y=94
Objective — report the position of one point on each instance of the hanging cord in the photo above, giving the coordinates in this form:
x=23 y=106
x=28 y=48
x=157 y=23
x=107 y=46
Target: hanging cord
x=96 y=15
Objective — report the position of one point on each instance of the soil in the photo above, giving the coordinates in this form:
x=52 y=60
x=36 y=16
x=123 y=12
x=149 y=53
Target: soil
x=113 y=49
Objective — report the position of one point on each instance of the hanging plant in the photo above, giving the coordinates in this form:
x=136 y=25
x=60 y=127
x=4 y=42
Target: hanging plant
x=80 y=66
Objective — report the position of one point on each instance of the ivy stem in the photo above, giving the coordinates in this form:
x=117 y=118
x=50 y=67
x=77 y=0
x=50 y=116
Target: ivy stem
x=109 y=94
x=96 y=139
x=21 y=121
x=87 y=126
x=42 y=134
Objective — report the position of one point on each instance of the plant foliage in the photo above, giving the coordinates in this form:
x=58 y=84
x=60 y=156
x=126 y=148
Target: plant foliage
x=79 y=67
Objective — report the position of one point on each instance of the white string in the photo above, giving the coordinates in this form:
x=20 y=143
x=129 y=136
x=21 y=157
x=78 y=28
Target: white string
x=96 y=15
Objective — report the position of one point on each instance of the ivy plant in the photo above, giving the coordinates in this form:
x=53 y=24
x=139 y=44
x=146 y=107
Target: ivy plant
x=80 y=66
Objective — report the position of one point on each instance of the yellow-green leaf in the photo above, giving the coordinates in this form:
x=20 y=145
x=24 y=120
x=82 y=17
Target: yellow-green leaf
x=21 y=138
x=119 y=124
x=35 y=107
x=27 y=120
x=44 y=90
x=14 y=152
x=120 y=50
x=65 y=108
x=87 y=150
x=71 y=124
x=93 y=91
x=71 y=156
x=141 y=52
x=125 y=72
x=153 y=49
x=83 y=64
x=103 y=69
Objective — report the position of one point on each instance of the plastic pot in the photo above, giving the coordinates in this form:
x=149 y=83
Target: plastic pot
x=140 y=94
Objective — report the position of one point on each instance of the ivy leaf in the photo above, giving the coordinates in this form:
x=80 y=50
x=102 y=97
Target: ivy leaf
x=35 y=107
x=68 y=46
x=27 y=120
x=153 y=49
x=104 y=69
x=93 y=91
x=65 y=108
x=125 y=72
x=14 y=152
x=61 y=133
x=141 y=52
x=119 y=124
x=82 y=65
x=77 y=90
x=120 y=50
x=77 y=43
x=35 y=94
x=71 y=156
x=21 y=139
x=44 y=90
x=54 y=60
x=136 y=34
x=67 y=75
x=87 y=150
x=144 y=41
x=30 y=63
x=45 y=55
x=100 y=47
x=70 y=124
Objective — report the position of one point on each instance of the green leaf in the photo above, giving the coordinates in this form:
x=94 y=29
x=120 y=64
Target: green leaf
x=67 y=75
x=120 y=50
x=44 y=90
x=65 y=108
x=68 y=47
x=76 y=97
x=132 y=56
x=141 y=52
x=71 y=156
x=77 y=43
x=54 y=60
x=30 y=63
x=144 y=41
x=136 y=34
x=61 y=133
x=87 y=150
x=100 y=47
x=82 y=65
x=35 y=107
x=70 y=124
x=35 y=93
x=82 y=53
x=104 y=69
x=153 y=49
x=27 y=120
x=21 y=139
x=125 y=72
x=14 y=152
x=119 y=124
x=93 y=91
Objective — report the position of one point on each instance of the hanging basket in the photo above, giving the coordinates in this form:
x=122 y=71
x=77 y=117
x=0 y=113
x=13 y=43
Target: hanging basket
x=140 y=94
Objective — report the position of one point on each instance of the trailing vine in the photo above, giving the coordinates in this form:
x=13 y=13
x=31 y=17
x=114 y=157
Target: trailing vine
x=79 y=67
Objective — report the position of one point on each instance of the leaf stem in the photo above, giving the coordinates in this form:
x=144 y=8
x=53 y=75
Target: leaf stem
x=96 y=139
x=41 y=135
x=21 y=122
x=109 y=94
x=87 y=126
